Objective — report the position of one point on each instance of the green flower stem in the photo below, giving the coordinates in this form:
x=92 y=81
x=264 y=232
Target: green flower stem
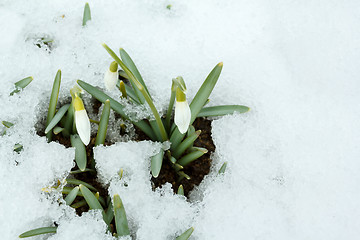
x=198 y=102
x=68 y=126
x=190 y=157
x=169 y=111
x=109 y=213
x=38 y=231
x=186 y=144
x=103 y=125
x=147 y=97
x=53 y=102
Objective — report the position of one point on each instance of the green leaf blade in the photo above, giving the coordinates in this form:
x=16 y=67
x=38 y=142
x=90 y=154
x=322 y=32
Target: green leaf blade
x=121 y=222
x=103 y=125
x=38 y=231
x=186 y=144
x=90 y=198
x=222 y=110
x=204 y=92
x=186 y=234
x=116 y=106
x=80 y=151
x=156 y=163
x=87 y=14
x=53 y=101
x=71 y=196
x=57 y=117
x=192 y=156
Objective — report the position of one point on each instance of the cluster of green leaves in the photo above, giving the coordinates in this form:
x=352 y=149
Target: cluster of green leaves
x=182 y=152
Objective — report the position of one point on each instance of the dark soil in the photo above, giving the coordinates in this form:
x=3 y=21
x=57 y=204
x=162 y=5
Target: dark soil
x=197 y=170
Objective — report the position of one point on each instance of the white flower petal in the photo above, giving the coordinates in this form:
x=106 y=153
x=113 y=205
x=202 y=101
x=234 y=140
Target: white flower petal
x=110 y=79
x=182 y=116
x=83 y=126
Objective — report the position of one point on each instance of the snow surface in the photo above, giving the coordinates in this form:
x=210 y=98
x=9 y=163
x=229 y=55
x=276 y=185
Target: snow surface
x=293 y=161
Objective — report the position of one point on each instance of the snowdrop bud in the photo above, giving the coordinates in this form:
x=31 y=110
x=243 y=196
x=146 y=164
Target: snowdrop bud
x=82 y=121
x=182 y=112
x=111 y=76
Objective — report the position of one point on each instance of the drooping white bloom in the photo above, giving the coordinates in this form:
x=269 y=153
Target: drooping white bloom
x=82 y=121
x=182 y=112
x=111 y=77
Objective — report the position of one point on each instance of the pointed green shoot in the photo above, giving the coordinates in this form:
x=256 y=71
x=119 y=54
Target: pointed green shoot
x=18 y=147
x=186 y=144
x=56 y=119
x=156 y=163
x=90 y=198
x=58 y=130
x=53 y=102
x=132 y=67
x=78 y=182
x=180 y=190
x=121 y=222
x=223 y=168
x=80 y=151
x=222 y=110
x=79 y=171
x=71 y=196
x=103 y=125
x=198 y=102
x=87 y=14
x=21 y=84
x=116 y=106
x=136 y=84
x=7 y=124
x=204 y=92
x=129 y=92
x=109 y=214
x=183 y=175
x=186 y=235
x=79 y=204
x=122 y=89
x=190 y=157
x=38 y=231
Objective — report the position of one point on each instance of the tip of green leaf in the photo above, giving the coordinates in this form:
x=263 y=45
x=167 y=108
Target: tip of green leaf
x=220 y=64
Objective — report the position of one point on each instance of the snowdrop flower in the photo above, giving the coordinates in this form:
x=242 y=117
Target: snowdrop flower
x=82 y=121
x=182 y=111
x=111 y=76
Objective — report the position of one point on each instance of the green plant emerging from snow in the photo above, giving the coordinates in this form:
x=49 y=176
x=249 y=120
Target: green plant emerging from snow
x=72 y=122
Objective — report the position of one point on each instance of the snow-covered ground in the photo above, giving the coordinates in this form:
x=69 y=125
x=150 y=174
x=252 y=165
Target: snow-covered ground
x=293 y=161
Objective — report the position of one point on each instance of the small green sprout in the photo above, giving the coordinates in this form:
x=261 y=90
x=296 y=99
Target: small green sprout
x=38 y=231
x=186 y=234
x=21 y=85
x=87 y=14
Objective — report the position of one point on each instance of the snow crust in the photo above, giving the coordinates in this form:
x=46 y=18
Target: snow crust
x=293 y=161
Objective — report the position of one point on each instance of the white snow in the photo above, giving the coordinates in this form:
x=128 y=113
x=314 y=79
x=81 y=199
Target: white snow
x=292 y=161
